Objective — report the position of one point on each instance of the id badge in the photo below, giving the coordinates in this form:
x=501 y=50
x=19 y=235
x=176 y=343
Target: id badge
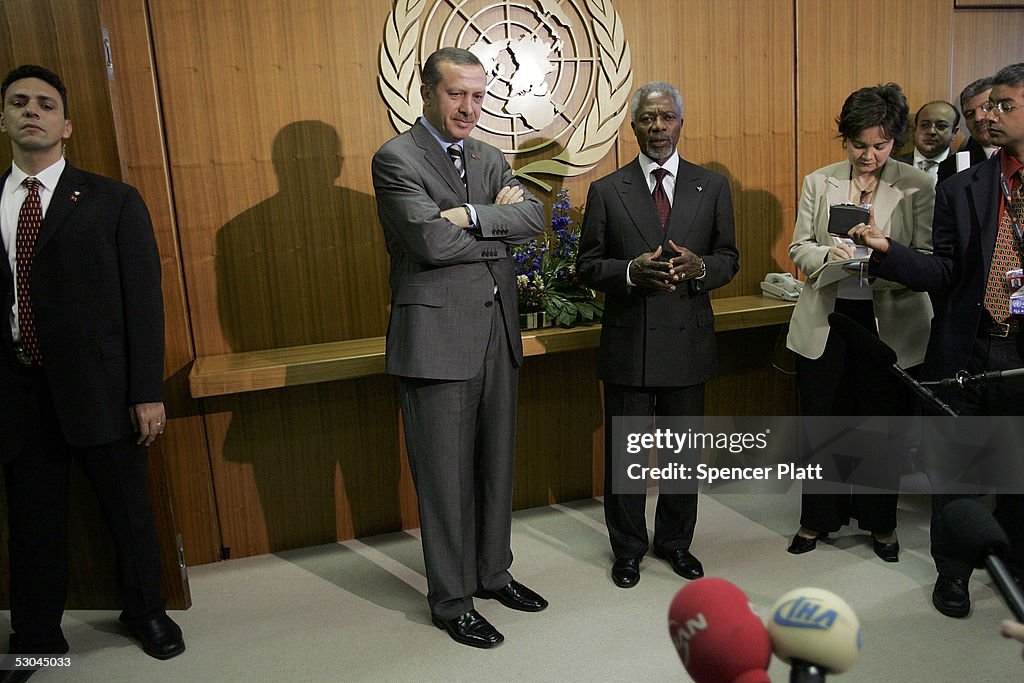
x=1015 y=281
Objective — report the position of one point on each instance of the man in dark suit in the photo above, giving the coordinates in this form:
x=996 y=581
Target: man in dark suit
x=81 y=355
x=979 y=146
x=974 y=246
x=657 y=237
x=451 y=209
x=935 y=124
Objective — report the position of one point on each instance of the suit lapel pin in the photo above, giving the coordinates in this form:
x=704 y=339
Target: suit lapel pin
x=473 y=156
x=700 y=188
x=74 y=196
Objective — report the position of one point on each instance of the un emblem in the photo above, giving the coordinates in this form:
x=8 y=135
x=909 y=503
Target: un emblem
x=559 y=74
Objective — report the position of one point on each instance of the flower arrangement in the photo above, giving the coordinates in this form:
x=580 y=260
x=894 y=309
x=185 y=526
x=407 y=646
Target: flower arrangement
x=546 y=272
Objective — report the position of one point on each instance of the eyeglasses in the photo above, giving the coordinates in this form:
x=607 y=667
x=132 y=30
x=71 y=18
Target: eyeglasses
x=1001 y=107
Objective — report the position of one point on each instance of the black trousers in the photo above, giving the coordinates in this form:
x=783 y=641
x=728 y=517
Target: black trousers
x=841 y=383
x=624 y=513
x=995 y=398
x=37 y=503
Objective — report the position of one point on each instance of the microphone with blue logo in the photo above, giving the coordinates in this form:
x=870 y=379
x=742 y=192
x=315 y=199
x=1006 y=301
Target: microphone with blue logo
x=815 y=632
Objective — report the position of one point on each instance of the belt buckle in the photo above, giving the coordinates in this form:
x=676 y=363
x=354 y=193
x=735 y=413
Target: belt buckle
x=1000 y=329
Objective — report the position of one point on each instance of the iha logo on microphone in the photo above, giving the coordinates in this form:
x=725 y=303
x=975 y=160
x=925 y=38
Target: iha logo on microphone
x=804 y=612
x=683 y=633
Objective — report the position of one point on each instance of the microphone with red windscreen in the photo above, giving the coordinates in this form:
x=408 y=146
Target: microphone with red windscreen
x=717 y=635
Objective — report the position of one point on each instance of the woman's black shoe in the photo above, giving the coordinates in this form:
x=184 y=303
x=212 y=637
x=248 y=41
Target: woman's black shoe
x=802 y=544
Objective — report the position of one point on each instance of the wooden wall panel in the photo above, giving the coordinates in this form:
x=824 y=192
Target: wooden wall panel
x=984 y=41
x=139 y=129
x=275 y=118
x=325 y=468
x=844 y=45
x=560 y=414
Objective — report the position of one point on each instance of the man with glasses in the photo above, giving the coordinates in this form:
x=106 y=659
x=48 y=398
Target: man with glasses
x=979 y=145
x=935 y=124
x=976 y=328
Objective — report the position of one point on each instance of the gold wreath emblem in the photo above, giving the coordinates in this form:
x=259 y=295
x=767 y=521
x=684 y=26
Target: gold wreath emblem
x=399 y=78
x=400 y=81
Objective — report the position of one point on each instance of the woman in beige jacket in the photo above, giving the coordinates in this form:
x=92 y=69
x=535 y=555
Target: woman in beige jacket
x=832 y=377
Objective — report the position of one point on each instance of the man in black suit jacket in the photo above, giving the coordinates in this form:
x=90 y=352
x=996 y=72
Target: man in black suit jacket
x=972 y=329
x=656 y=260
x=979 y=145
x=81 y=360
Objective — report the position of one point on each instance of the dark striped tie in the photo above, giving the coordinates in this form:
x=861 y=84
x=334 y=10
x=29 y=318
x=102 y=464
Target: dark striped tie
x=455 y=154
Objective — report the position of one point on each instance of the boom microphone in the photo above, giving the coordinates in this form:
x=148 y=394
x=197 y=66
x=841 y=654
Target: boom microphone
x=717 y=635
x=878 y=352
x=816 y=632
x=965 y=380
x=975 y=536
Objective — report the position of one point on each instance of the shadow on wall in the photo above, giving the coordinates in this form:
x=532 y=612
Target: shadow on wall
x=305 y=266
x=759 y=229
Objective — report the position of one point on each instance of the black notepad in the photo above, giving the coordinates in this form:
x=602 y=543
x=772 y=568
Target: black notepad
x=843 y=217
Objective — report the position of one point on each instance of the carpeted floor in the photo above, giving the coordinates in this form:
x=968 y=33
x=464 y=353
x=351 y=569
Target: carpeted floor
x=356 y=611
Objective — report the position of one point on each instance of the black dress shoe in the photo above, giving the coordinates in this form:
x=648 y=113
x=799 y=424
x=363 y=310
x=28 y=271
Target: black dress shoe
x=514 y=596
x=626 y=572
x=951 y=597
x=16 y=675
x=160 y=636
x=470 y=629
x=683 y=563
x=890 y=552
x=802 y=544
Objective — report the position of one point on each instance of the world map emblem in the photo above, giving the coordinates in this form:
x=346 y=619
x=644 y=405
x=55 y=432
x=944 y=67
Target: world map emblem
x=559 y=75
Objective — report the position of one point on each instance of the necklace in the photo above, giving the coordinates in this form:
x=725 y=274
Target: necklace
x=865 y=192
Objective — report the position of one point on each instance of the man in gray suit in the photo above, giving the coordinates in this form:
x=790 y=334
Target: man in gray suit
x=657 y=236
x=450 y=209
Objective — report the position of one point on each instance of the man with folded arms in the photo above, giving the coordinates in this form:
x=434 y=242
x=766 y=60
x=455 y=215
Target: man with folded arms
x=450 y=209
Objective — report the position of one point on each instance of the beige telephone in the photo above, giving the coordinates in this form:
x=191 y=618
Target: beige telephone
x=781 y=286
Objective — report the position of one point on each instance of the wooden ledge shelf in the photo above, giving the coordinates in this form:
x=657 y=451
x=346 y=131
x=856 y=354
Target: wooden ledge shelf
x=234 y=373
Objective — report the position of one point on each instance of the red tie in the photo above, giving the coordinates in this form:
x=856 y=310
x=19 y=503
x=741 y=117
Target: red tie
x=30 y=218
x=661 y=197
x=1005 y=257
